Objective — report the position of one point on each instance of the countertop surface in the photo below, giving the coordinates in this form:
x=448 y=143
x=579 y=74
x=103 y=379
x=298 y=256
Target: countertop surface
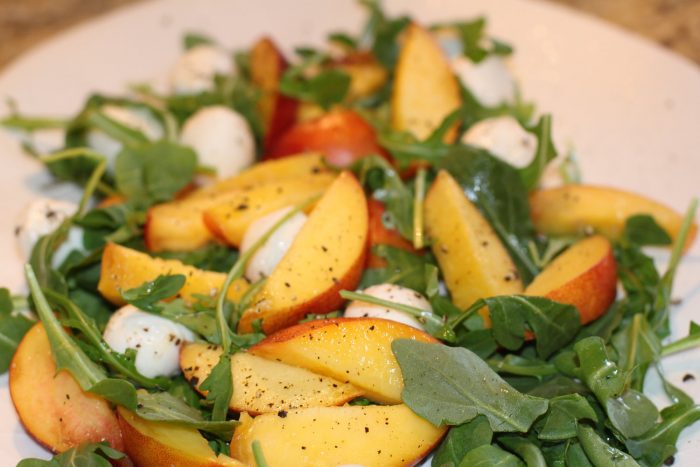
x=675 y=24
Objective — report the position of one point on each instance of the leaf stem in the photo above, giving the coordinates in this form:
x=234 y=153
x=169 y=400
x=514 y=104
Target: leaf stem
x=258 y=454
x=418 y=239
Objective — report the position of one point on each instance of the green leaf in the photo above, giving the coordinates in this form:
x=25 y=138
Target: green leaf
x=522 y=366
x=154 y=172
x=545 y=153
x=117 y=391
x=448 y=385
x=563 y=416
x=642 y=230
x=326 y=88
x=13 y=326
x=193 y=39
x=462 y=439
x=70 y=357
x=600 y=453
x=498 y=191
x=525 y=448
x=164 y=407
x=387 y=186
x=632 y=413
x=403 y=268
x=147 y=295
x=554 y=324
x=490 y=456
x=85 y=455
x=657 y=445
x=598 y=371
x=219 y=385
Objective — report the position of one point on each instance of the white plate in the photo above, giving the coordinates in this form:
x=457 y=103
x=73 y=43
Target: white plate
x=631 y=109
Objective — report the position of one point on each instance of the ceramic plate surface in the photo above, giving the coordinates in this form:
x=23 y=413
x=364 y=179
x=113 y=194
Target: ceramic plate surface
x=629 y=108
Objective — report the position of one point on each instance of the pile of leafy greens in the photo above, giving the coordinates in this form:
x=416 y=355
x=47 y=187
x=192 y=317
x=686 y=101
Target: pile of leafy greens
x=572 y=396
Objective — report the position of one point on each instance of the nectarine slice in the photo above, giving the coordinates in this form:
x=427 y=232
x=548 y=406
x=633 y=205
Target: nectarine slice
x=474 y=262
x=267 y=64
x=584 y=276
x=573 y=209
x=178 y=225
x=261 y=385
x=124 y=269
x=229 y=220
x=326 y=256
x=154 y=444
x=323 y=436
x=367 y=75
x=425 y=88
x=352 y=350
x=52 y=406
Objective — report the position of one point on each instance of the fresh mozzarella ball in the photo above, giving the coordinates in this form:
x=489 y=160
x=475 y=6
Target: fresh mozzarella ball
x=394 y=293
x=221 y=138
x=490 y=81
x=42 y=217
x=156 y=340
x=271 y=252
x=195 y=69
x=505 y=138
x=132 y=117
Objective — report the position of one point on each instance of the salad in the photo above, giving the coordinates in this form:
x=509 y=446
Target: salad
x=369 y=253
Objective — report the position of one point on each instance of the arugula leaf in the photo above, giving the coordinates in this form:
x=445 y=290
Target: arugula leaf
x=497 y=190
x=146 y=296
x=123 y=364
x=524 y=448
x=462 y=439
x=490 y=456
x=403 y=268
x=545 y=153
x=219 y=386
x=193 y=39
x=600 y=453
x=474 y=43
x=164 y=407
x=453 y=385
x=563 y=416
x=597 y=370
x=386 y=186
x=554 y=324
x=70 y=357
x=212 y=257
x=85 y=455
x=642 y=230
x=658 y=444
x=380 y=34
x=522 y=366
x=632 y=413
x=13 y=326
x=327 y=88
x=154 y=172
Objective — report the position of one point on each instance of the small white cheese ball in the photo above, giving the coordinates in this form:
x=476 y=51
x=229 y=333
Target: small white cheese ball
x=41 y=217
x=194 y=71
x=490 y=81
x=221 y=138
x=394 y=293
x=132 y=117
x=156 y=340
x=505 y=138
x=271 y=252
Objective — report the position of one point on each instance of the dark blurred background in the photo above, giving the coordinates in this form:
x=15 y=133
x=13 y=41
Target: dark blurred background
x=675 y=24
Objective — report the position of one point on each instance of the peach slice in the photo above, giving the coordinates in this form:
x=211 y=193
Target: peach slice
x=154 y=444
x=584 y=276
x=573 y=209
x=267 y=64
x=353 y=350
x=51 y=405
x=124 y=269
x=326 y=256
x=322 y=436
x=425 y=89
x=262 y=386
x=472 y=258
x=229 y=220
x=178 y=225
